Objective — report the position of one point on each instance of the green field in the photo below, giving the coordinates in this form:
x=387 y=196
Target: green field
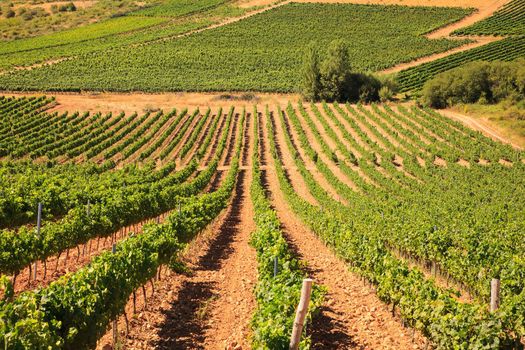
x=509 y=20
x=261 y=53
x=175 y=8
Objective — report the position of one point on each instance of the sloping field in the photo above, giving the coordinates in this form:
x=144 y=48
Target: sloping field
x=509 y=20
x=425 y=210
x=260 y=53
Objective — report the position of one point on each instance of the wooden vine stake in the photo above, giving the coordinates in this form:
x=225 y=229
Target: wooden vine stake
x=115 y=330
x=38 y=225
x=300 y=315
x=494 y=294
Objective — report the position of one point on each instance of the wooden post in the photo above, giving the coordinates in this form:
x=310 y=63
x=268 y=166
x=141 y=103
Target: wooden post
x=115 y=330
x=494 y=294
x=275 y=266
x=38 y=224
x=300 y=315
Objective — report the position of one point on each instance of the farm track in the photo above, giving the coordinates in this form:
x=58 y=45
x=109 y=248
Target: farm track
x=480 y=126
x=352 y=316
x=211 y=307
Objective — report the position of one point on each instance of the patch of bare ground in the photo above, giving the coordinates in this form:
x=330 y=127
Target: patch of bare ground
x=352 y=316
x=440 y=162
x=141 y=102
x=481 y=124
x=464 y=163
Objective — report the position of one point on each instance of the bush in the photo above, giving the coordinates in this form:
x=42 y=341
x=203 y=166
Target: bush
x=476 y=82
x=69 y=7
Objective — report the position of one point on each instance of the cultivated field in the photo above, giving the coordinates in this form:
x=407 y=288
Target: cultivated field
x=165 y=185
x=339 y=171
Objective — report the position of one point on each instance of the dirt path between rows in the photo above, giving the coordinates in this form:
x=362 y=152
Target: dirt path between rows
x=353 y=316
x=211 y=306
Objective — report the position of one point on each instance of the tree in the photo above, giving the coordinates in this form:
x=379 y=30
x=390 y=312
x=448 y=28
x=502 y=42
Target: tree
x=311 y=83
x=335 y=72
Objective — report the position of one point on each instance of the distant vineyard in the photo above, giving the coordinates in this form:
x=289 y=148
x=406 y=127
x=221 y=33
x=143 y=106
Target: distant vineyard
x=508 y=49
x=510 y=20
x=262 y=52
x=107 y=35
x=400 y=193
x=176 y=8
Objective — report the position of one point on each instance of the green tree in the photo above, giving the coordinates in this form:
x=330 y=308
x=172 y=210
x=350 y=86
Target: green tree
x=335 y=72
x=311 y=83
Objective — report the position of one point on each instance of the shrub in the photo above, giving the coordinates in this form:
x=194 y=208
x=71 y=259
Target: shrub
x=477 y=82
